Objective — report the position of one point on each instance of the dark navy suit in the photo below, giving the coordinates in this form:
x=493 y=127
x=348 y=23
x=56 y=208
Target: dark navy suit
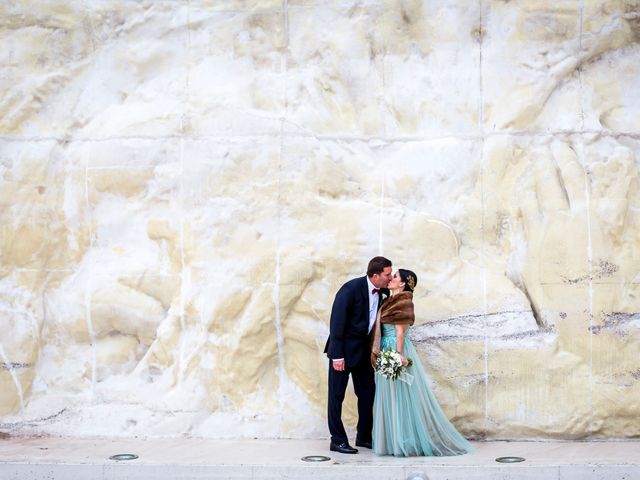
x=349 y=339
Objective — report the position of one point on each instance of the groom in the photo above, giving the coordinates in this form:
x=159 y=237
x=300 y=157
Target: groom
x=352 y=318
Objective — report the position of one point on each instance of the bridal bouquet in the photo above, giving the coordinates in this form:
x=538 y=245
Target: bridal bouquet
x=389 y=364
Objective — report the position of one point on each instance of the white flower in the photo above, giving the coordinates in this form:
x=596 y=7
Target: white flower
x=389 y=364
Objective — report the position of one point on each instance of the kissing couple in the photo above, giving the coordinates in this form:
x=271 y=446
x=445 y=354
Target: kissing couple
x=400 y=417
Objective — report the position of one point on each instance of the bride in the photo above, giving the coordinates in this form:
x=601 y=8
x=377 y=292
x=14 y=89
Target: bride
x=407 y=419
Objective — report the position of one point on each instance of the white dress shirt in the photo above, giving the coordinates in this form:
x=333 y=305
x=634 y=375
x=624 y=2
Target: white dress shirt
x=374 y=298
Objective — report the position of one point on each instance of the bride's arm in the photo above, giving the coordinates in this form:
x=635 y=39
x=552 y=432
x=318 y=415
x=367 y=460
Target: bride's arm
x=400 y=330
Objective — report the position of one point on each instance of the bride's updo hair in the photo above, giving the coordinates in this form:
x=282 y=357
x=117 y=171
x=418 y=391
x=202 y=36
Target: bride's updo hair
x=409 y=279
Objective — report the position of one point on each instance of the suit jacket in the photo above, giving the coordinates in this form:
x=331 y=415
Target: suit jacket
x=349 y=325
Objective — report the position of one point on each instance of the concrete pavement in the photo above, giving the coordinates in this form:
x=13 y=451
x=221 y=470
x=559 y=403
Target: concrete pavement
x=193 y=458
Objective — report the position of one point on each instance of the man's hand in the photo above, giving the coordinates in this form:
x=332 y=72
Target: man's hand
x=338 y=365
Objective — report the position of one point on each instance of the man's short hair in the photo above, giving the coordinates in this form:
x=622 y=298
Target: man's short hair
x=377 y=265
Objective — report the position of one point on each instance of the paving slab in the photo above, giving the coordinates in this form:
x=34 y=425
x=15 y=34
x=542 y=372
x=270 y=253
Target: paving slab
x=194 y=458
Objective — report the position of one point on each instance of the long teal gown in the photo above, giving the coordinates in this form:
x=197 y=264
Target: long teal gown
x=407 y=419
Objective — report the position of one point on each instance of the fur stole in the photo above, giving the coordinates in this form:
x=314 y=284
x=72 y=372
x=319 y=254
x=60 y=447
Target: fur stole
x=397 y=310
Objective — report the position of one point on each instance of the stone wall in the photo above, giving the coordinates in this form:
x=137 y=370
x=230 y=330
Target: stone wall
x=184 y=185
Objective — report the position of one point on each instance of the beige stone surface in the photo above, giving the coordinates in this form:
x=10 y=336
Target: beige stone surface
x=185 y=185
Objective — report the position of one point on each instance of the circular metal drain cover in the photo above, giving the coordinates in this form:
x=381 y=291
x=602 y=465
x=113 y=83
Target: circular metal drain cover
x=509 y=459
x=123 y=456
x=417 y=476
x=315 y=458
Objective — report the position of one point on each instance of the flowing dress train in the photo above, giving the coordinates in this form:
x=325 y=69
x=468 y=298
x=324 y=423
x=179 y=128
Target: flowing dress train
x=407 y=419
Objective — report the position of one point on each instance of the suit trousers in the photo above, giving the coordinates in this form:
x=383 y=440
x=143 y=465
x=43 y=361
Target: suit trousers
x=364 y=386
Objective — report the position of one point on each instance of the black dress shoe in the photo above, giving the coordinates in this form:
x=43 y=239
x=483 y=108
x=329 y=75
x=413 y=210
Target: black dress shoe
x=364 y=443
x=342 y=448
